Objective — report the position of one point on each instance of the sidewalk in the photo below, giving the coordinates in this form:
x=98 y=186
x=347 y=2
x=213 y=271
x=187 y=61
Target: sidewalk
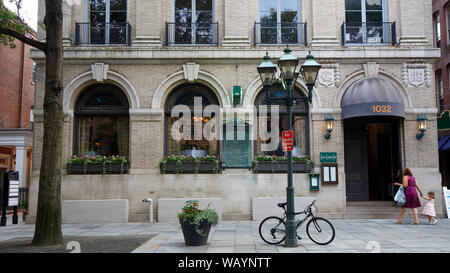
x=352 y=236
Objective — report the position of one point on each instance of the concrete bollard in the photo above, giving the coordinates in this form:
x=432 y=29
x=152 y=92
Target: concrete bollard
x=149 y=200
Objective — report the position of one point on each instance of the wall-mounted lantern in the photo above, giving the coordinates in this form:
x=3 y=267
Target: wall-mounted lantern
x=422 y=125
x=329 y=120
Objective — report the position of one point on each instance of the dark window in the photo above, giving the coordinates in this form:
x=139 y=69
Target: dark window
x=101 y=121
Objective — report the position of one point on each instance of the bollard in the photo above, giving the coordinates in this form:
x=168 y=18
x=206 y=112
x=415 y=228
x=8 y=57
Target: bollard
x=149 y=200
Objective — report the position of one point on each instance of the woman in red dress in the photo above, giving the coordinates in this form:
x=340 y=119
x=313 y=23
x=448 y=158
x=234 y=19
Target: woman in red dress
x=412 y=199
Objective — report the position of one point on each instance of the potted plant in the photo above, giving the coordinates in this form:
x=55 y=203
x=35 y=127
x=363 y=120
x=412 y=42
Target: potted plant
x=176 y=164
x=278 y=164
x=97 y=165
x=196 y=223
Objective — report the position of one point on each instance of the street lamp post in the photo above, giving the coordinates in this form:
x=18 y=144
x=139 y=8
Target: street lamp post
x=288 y=64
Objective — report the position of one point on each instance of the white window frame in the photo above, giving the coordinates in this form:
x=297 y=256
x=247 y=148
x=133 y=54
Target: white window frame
x=87 y=18
x=194 y=20
x=364 y=20
x=299 y=20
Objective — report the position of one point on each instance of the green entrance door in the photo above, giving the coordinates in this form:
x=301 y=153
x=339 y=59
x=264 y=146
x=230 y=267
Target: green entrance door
x=236 y=145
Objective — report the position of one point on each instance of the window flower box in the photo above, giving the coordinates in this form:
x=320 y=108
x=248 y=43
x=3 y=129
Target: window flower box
x=190 y=165
x=275 y=164
x=97 y=165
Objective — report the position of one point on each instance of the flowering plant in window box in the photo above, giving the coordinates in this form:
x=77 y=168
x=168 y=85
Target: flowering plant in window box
x=278 y=164
x=97 y=164
x=188 y=164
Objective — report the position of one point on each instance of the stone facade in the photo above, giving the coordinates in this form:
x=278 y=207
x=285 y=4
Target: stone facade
x=147 y=70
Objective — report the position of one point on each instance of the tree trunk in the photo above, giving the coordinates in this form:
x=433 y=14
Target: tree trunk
x=48 y=217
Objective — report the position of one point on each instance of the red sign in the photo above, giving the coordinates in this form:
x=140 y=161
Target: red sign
x=288 y=140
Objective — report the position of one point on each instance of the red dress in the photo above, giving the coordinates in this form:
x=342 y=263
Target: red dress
x=412 y=199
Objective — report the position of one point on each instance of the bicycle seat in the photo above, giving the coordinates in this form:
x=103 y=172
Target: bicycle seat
x=282 y=205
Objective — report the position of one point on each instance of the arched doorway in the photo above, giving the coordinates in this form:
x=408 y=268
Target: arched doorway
x=373 y=112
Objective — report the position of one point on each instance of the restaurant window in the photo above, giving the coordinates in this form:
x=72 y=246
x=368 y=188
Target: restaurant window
x=300 y=121
x=186 y=95
x=102 y=121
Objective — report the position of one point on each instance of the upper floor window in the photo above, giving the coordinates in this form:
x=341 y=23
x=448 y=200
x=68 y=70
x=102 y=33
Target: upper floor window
x=106 y=23
x=437 y=30
x=366 y=22
x=280 y=22
x=193 y=23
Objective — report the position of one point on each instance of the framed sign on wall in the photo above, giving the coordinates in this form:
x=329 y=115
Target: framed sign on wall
x=329 y=173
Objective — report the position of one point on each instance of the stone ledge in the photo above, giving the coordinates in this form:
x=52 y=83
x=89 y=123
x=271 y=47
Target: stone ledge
x=95 y=211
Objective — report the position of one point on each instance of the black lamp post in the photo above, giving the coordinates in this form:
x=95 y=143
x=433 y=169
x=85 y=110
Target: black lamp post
x=288 y=65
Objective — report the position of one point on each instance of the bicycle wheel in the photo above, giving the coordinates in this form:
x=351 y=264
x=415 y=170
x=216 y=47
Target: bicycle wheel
x=272 y=230
x=320 y=231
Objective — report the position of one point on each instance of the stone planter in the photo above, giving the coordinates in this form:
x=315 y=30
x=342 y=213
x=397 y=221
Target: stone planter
x=191 y=237
x=188 y=167
x=280 y=167
x=97 y=168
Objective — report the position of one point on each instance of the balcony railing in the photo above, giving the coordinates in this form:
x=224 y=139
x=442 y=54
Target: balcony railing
x=102 y=34
x=280 y=33
x=192 y=33
x=369 y=33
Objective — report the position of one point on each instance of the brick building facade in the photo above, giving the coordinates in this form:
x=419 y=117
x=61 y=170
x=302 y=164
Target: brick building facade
x=145 y=57
x=17 y=90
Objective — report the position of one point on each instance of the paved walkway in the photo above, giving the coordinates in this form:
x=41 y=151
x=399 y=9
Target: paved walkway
x=352 y=236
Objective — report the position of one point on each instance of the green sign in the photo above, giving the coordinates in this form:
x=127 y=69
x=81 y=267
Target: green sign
x=443 y=121
x=328 y=157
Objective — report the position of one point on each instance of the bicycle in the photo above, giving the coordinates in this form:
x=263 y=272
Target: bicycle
x=272 y=229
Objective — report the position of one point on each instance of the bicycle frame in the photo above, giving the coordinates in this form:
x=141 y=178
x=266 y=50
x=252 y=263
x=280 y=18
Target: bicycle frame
x=307 y=212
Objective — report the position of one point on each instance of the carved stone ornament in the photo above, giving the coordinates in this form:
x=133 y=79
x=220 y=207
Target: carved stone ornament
x=371 y=69
x=329 y=75
x=416 y=74
x=191 y=71
x=100 y=71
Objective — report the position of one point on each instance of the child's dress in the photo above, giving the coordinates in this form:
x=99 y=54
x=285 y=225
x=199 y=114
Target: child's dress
x=428 y=209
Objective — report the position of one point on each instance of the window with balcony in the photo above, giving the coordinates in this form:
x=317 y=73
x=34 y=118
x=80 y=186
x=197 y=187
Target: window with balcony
x=193 y=23
x=280 y=23
x=106 y=24
x=366 y=23
x=437 y=30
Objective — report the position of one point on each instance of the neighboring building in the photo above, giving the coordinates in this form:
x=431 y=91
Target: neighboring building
x=441 y=21
x=17 y=89
x=128 y=63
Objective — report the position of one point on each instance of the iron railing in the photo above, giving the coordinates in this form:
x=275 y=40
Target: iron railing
x=369 y=33
x=192 y=34
x=102 y=34
x=268 y=33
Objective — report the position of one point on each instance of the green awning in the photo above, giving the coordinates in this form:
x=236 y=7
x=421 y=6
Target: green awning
x=443 y=122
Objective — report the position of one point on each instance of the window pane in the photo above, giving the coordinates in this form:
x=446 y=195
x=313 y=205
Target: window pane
x=183 y=4
x=118 y=17
x=352 y=4
x=118 y=5
x=203 y=5
x=289 y=17
x=98 y=17
x=268 y=5
x=100 y=136
x=98 y=5
x=353 y=17
x=373 y=5
x=289 y=5
x=268 y=17
x=374 y=17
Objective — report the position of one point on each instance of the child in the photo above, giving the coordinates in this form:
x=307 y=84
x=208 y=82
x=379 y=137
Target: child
x=428 y=209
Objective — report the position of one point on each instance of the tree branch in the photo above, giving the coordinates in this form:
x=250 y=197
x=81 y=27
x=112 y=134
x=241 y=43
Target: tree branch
x=23 y=38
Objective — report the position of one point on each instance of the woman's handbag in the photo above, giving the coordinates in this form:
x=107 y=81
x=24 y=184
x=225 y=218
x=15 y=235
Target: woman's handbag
x=400 y=197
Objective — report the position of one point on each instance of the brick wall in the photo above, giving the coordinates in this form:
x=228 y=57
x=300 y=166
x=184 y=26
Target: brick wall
x=16 y=91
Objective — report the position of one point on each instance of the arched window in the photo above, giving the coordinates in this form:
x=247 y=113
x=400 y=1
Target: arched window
x=300 y=121
x=101 y=121
x=185 y=95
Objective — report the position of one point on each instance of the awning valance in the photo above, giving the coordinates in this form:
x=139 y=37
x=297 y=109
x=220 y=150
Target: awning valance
x=372 y=97
x=444 y=143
